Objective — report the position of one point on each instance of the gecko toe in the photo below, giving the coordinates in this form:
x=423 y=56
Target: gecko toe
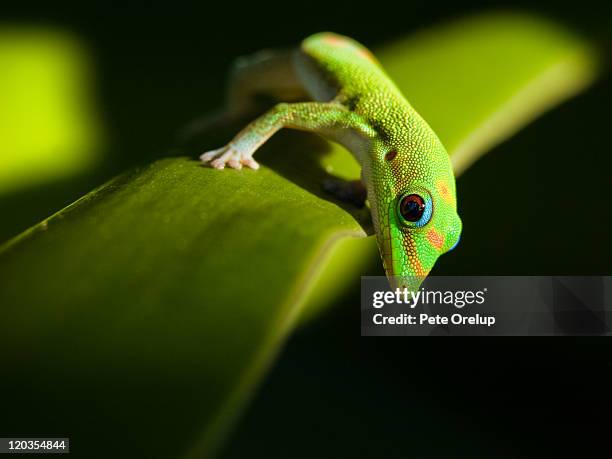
x=250 y=162
x=210 y=155
x=218 y=164
x=234 y=163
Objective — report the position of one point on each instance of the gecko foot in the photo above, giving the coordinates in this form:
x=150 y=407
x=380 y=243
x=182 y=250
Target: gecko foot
x=230 y=156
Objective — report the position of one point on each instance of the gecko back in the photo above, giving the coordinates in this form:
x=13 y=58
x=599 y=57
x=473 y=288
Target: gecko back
x=330 y=64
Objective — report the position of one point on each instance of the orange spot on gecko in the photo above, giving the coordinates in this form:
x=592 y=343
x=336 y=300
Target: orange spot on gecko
x=435 y=239
x=334 y=40
x=413 y=258
x=418 y=267
x=365 y=54
x=445 y=191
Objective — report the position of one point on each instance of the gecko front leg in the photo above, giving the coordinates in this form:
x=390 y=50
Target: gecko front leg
x=325 y=118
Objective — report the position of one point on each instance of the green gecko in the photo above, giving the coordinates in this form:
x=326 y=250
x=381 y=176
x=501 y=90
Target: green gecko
x=406 y=171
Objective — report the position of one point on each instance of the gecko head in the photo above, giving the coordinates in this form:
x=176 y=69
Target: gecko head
x=416 y=218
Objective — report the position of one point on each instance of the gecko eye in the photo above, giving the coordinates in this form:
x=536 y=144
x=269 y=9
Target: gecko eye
x=412 y=207
x=414 y=210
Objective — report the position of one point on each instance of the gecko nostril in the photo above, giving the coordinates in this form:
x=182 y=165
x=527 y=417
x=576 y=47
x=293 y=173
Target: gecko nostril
x=391 y=155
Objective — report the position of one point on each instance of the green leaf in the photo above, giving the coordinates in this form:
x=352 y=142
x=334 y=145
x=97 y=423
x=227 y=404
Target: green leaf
x=153 y=306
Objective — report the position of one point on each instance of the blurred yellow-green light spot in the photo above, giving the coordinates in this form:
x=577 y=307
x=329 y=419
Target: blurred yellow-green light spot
x=48 y=128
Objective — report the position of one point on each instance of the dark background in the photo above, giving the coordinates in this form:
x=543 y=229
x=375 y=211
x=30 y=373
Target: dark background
x=538 y=204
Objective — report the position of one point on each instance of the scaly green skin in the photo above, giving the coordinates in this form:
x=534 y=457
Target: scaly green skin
x=360 y=107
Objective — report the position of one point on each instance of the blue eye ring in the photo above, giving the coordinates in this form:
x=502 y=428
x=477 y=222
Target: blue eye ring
x=414 y=208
